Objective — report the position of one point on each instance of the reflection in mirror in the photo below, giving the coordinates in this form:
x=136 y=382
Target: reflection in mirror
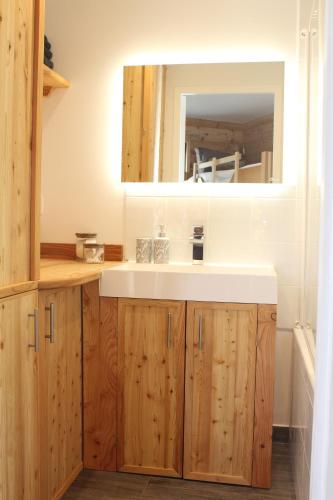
x=178 y=127
x=229 y=137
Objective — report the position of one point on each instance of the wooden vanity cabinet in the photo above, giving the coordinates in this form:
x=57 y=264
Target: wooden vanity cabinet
x=60 y=389
x=19 y=451
x=229 y=393
x=151 y=352
x=134 y=368
x=220 y=388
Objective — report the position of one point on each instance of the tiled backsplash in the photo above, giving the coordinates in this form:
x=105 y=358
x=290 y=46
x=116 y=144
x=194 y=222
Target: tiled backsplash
x=238 y=230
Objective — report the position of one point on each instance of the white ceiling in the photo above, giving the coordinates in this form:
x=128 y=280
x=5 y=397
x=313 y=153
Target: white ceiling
x=235 y=108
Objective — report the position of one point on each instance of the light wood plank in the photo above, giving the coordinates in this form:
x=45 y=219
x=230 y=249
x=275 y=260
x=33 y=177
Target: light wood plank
x=150 y=386
x=70 y=479
x=132 y=124
x=262 y=446
x=64 y=273
x=16 y=96
x=36 y=139
x=19 y=451
x=7 y=291
x=60 y=390
x=100 y=379
x=52 y=80
x=220 y=384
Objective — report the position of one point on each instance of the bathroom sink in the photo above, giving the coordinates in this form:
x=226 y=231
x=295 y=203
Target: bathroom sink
x=209 y=282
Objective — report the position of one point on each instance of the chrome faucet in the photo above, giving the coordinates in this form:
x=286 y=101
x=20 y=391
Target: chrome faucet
x=197 y=241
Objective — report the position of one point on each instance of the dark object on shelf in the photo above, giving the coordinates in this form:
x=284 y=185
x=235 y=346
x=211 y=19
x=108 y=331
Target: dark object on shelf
x=48 y=63
x=48 y=54
x=47 y=44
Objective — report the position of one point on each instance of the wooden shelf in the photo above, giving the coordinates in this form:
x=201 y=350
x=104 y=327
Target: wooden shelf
x=52 y=80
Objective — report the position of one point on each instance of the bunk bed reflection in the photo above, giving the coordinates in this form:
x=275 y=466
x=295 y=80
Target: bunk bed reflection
x=231 y=169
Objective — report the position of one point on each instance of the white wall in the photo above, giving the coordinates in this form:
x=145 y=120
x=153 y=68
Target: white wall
x=82 y=136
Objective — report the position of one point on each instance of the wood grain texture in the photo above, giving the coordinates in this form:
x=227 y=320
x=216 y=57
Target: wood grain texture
x=100 y=379
x=262 y=444
x=58 y=251
x=52 y=80
x=220 y=385
x=67 y=273
x=7 y=291
x=70 y=479
x=36 y=138
x=60 y=386
x=143 y=90
x=150 y=386
x=16 y=96
x=67 y=251
x=114 y=252
x=19 y=452
x=132 y=124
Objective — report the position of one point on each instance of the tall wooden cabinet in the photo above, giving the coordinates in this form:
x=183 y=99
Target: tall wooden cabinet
x=151 y=342
x=220 y=391
x=21 y=60
x=19 y=453
x=60 y=389
x=20 y=95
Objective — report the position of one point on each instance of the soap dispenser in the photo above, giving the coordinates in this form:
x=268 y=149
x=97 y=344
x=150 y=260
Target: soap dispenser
x=161 y=247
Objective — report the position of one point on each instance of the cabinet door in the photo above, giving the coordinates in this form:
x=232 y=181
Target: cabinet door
x=19 y=452
x=220 y=391
x=20 y=93
x=60 y=389
x=151 y=351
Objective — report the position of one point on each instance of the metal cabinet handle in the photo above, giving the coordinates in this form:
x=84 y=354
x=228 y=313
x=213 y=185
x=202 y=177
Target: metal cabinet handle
x=200 y=332
x=35 y=315
x=51 y=336
x=169 y=339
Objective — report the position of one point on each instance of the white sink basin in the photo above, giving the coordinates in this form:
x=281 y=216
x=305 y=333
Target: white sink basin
x=217 y=283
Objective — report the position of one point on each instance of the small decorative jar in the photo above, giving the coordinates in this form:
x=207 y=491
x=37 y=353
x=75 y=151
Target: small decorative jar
x=144 y=249
x=81 y=239
x=93 y=253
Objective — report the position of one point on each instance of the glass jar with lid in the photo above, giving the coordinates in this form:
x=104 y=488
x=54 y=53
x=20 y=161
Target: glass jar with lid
x=81 y=239
x=93 y=253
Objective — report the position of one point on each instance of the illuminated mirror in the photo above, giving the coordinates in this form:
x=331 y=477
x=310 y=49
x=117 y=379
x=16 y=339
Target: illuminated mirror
x=220 y=123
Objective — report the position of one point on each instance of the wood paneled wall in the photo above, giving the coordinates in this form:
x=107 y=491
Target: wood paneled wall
x=255 y=135
x=222 y=136
x=142 y=109
x=258 y=137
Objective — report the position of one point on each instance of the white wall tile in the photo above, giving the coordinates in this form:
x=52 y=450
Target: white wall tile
x=183 y=213
x=143 y=215
x=274 y=220
x=285 y=257
x=288 y=306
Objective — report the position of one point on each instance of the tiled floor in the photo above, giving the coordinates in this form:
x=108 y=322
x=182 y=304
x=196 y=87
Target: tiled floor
x=92 y=485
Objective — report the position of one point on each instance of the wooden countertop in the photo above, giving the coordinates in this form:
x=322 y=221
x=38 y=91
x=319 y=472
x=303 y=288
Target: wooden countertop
x=55 y=273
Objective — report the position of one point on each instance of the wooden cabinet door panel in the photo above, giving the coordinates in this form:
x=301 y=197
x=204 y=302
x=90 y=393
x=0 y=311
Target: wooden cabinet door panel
x=19 y=451
x=16 y=94
x=220 y=387
x=60 y=390
x=151 y=349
